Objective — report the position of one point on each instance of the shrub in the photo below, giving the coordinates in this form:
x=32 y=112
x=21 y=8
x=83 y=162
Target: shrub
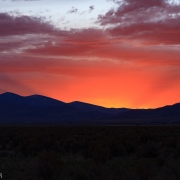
x=47 y=166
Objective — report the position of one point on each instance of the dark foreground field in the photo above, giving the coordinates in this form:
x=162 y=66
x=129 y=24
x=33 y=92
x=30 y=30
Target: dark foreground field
x=90 y=152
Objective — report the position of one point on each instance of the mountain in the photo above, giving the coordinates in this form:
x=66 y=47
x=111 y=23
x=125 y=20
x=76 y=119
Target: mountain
x=38 y=109
x=90 y=107
x=33 y=100
x=165 y=115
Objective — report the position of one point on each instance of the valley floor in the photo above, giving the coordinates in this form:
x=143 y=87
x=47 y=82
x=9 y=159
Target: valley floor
x=90 y=152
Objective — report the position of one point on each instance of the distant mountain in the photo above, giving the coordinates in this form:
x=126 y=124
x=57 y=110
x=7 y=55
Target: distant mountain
x=38 y=109
x=90 y=107
x=166 y=114
x=33 y=100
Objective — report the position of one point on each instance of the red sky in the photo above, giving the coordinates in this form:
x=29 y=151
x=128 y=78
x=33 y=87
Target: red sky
x=128 y=56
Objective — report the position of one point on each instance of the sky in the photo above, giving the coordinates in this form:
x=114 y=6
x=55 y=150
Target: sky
x=113 y=53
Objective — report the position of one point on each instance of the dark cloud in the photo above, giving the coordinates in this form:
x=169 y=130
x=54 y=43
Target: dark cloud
x=6 y=46
x=162 y=32
x=19 y=25
x=26 y=32
x=131 y=11
x=115 y=43
x=73 y=10
x=91 y=8
x=152 y=21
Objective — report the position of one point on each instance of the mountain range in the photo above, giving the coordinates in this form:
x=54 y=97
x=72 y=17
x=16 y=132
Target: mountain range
x=38 y=109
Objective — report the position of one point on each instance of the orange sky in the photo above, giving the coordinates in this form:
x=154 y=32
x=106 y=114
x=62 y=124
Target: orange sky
x=131 y=60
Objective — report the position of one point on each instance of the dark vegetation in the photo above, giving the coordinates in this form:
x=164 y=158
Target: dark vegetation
x=90 y=152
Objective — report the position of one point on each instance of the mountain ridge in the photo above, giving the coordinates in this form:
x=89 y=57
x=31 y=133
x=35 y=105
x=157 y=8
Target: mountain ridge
x=38 y=96
x=38 y=109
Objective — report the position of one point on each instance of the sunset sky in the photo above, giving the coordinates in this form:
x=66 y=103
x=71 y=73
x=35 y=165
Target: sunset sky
x=113 y=53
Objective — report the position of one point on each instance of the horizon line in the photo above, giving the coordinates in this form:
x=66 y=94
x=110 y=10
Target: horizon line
x=87 y=102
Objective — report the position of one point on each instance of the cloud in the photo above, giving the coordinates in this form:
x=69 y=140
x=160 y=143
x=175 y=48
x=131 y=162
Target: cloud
x=36 y=36
x=19 y=32
x=149 y=33
x=18 y=25
x=97 y=43
x=152 y=22
x=91 y=8
x=39 y=57
x=73 y=10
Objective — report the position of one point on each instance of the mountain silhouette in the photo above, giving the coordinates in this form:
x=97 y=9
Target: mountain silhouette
x=163 y=115
x=38 y=109
x=33 y=100
x=91 y=107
